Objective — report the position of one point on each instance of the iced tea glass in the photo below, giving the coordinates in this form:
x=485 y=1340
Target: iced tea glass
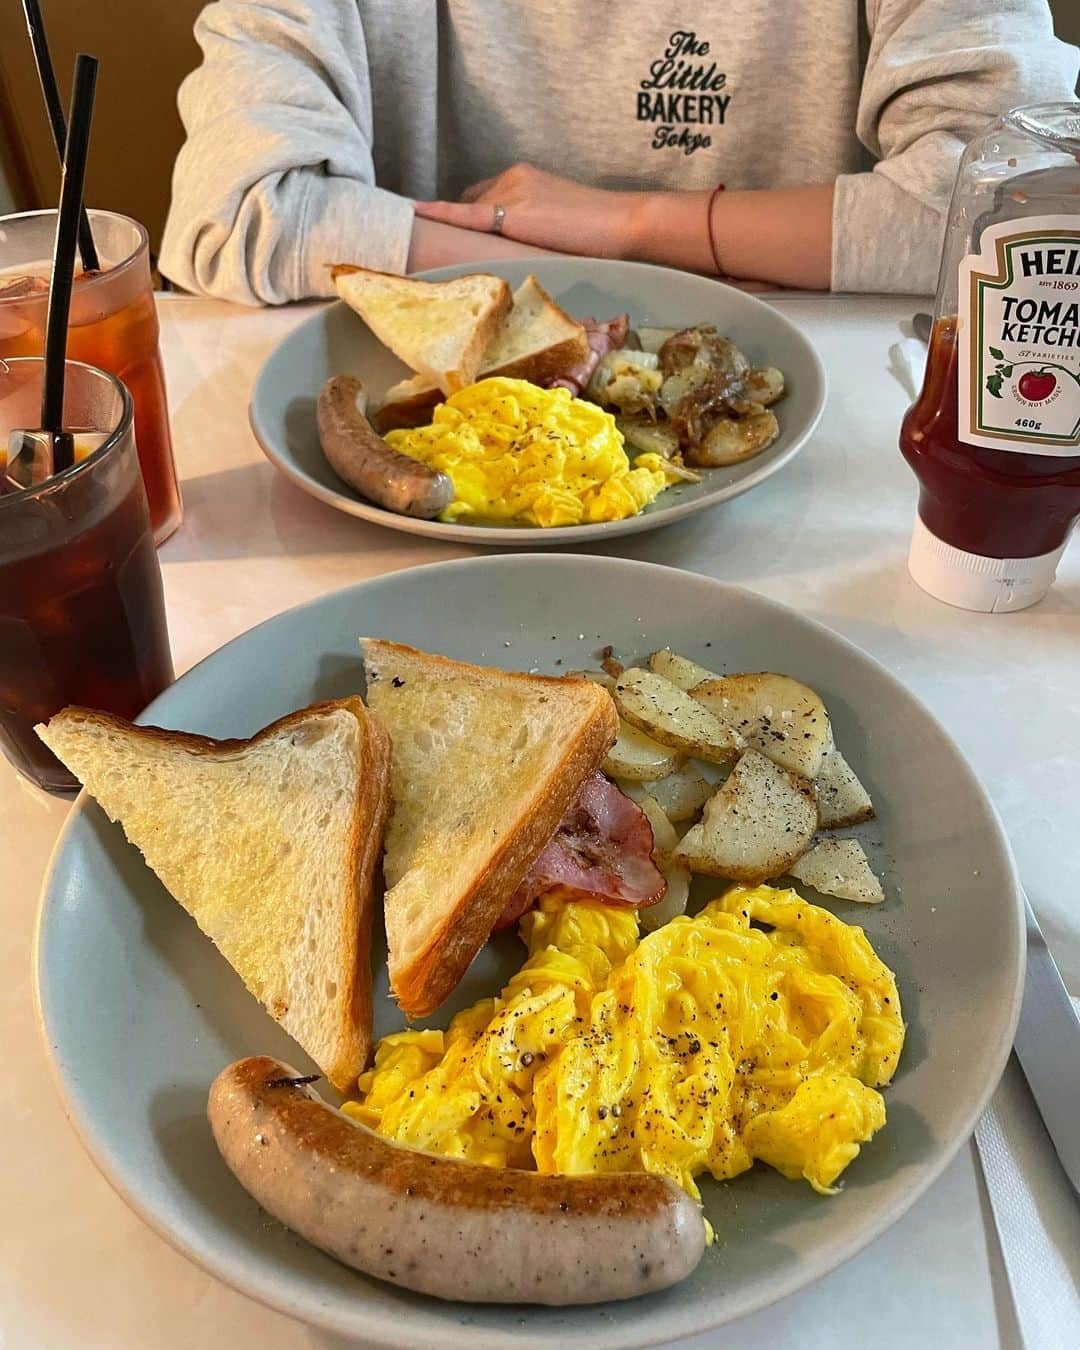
x=113 y=326
x=82 y=616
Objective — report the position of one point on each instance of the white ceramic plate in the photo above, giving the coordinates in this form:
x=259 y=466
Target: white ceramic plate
x=139 y=1012
x=336 y=341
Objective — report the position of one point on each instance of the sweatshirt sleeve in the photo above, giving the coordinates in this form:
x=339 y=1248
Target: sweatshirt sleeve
x=276 y=178
x=937 y=73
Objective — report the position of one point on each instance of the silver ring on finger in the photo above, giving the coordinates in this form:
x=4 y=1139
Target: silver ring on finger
x=497 y=220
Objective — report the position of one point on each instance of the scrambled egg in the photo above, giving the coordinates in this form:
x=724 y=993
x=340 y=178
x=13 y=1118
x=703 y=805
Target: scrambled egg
x=704 y=1046
x=516 y=452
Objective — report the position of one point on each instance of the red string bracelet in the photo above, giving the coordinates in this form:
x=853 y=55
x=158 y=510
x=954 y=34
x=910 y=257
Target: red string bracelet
x=712 y=238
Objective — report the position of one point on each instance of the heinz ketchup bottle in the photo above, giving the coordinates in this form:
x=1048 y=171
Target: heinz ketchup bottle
x=994 y=436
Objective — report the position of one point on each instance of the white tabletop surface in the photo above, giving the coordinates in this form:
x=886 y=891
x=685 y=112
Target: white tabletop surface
x=828 y=535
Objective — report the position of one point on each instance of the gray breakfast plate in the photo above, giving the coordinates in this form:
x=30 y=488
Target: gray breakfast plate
x=336 y=341
x=139 y=1012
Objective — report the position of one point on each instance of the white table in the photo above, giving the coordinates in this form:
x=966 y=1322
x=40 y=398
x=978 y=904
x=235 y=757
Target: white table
x=828 y=535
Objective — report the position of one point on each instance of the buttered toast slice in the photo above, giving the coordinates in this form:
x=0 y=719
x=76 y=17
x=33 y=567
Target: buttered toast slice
x=538 y=341
x=271 y=844
x=485 y=765
x=440 y=329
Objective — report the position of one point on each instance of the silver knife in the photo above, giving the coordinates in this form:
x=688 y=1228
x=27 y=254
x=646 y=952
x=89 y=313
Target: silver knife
x=1048 y=1047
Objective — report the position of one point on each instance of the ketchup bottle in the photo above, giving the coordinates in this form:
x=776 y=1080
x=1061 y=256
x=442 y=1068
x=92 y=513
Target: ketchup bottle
x=994 y=436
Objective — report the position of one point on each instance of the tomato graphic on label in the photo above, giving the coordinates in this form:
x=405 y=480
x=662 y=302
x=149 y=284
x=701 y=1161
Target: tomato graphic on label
x=1036 y=385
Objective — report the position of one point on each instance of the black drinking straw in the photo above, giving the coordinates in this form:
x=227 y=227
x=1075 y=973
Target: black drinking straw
x=47 y=76
x=67 y=222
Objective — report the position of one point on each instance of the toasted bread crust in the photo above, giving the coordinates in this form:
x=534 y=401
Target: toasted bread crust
x=433 y=974
x=539 y=367
x=365 y=849
x=473 y=354
x=401 y=414
x=370 y=814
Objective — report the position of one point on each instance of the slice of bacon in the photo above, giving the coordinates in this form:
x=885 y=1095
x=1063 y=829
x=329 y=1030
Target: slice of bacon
x=603 y=336
x=602 y=850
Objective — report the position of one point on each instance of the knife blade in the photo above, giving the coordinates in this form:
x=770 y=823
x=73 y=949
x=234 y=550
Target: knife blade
x=1048 y=1047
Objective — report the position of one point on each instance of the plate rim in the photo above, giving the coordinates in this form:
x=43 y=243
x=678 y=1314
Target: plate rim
x=531 y=536
x=246 y=1274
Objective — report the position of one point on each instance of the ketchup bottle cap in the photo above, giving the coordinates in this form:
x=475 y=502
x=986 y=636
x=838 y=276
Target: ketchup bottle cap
x=972 y=581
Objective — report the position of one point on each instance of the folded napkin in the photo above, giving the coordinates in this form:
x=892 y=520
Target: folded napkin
x=1037 y=1215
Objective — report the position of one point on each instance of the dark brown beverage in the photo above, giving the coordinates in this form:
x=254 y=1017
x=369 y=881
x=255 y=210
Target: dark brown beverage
x=82 y=615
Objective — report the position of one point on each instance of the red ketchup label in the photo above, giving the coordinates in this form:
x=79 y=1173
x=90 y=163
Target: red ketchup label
x=1019 y=338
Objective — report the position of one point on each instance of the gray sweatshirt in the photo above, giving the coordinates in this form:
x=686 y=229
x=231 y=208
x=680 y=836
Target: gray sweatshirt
x=312 y=125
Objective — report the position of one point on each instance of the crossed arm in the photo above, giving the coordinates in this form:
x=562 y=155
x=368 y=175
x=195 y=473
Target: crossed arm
x=278 y=178
x=780 y=235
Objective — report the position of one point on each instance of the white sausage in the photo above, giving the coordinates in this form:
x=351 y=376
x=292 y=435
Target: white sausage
x=359 y=455
x=453 y=1229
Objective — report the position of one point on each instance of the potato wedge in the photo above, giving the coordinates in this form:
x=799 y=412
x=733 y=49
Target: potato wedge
x=681 y=794
x=680 y=670
x=758 y=824
x=676 y=874
x=839 y=867
x=782 y=718
x=637 y=758
x=669 y=715
x=842 y=799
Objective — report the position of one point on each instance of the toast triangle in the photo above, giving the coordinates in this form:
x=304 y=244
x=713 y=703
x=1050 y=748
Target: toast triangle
x=438 y=328
x=271 y=844
x=485 y=765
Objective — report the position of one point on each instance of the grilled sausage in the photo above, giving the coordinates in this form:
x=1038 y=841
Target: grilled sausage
x=359 y=455
x=441 y=1226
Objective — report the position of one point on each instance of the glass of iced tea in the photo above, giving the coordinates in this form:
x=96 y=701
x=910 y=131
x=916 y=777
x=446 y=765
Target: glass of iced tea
x=82 y=616
x=113 y=325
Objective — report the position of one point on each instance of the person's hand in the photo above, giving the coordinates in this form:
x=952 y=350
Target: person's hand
x=547 y=211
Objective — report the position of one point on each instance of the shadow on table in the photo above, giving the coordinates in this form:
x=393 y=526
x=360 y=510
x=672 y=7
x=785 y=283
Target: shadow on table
x=253 y=511
x=725 y=542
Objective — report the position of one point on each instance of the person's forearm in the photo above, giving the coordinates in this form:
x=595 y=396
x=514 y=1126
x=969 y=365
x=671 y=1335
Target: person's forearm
x=436 y=245
x=780 y=235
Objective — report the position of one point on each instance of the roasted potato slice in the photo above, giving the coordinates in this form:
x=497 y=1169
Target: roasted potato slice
x=681 y=795
x=676 y=874
x=777 y=715
x=669 y=715
x=704 y=347
x=839 y=867
x=764 y=385
x=842 y=799
x=680 y=670
x=756 y=827
x=637 y=758
x=730 y=440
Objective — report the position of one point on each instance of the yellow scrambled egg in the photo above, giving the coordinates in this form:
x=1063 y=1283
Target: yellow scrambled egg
x=519 y=453
x=704 y=1046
